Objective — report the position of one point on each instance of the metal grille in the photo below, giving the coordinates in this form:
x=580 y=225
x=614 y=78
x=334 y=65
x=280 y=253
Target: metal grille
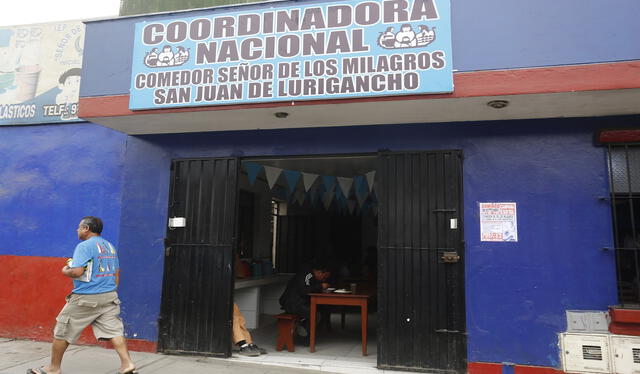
x=636 y=355
x=421 y=297
x=624 y=178
x=197 y=291
x=592 y=352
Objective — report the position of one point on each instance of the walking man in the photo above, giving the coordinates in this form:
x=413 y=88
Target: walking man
x=94 y=301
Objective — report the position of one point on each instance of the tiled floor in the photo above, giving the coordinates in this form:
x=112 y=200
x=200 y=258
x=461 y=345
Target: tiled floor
x=338 y=351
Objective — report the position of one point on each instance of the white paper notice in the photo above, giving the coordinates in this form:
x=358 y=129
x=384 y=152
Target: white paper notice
x=498 y=222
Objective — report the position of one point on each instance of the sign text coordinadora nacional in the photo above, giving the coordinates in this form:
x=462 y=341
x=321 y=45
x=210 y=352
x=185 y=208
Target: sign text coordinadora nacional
x=322 y=50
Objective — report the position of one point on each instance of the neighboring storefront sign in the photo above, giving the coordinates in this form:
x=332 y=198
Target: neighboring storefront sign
x=338 y=49
x=498 y=222
x=40 y=68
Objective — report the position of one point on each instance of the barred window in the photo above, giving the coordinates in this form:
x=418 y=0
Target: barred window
x=624 y=176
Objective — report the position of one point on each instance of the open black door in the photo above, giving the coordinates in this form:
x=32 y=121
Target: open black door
x=421 y=262
x=197 y=291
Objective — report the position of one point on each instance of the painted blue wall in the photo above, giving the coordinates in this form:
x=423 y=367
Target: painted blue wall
x=490 y=34
x=144 y=222
x=517 y=293
x=50 y=177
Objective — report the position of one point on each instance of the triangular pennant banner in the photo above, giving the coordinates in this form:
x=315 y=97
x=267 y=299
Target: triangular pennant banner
x=300 y=195
x=279 y=192
x=272 y=175
x=345 y=185
x=309 y=179
x=361 y=189
x=329 y=182
x=253 y=169
x=351 y=204
x=371 y=176
x=327 y=199
x=292 y=177
x=312 y=199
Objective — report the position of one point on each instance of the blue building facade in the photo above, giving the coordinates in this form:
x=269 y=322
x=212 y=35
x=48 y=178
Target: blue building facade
x=517 y=293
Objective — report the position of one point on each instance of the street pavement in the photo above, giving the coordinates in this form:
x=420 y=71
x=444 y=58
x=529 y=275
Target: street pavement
x=16 y=356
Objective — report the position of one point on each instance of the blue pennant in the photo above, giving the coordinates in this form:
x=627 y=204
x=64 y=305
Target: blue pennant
x=329 y=182
x=292 y=177
x=279 y=192
x=253 y=170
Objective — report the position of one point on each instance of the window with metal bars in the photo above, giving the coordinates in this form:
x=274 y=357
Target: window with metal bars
x=624 y=177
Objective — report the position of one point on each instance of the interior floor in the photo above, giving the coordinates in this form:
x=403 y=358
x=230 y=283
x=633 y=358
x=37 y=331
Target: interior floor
x=337 y=345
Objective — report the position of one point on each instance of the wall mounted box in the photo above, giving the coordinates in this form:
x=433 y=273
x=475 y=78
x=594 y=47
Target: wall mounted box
x=625 y=354
x=587 y=321
x=585 y=353
x=177 y=222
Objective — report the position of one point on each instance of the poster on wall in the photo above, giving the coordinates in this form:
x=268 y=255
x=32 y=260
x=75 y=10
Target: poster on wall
x=498 y=222
x=283 y=52
x=40 y=68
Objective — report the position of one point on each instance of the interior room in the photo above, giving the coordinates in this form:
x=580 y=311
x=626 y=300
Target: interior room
x=294 y=212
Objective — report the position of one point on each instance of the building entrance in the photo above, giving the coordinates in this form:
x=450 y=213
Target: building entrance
x=390 y=223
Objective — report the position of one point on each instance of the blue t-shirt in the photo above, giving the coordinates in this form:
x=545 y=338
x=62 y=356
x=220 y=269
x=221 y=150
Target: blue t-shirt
x=103 y=259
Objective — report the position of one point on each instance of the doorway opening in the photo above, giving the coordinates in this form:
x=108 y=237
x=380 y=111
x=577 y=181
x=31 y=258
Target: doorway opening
x=298 y=211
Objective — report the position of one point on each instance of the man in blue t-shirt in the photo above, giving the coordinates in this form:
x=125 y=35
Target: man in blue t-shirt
x=94 y=301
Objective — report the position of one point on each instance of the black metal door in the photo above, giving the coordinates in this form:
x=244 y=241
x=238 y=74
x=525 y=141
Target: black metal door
x=421 y=262
x=197 y=292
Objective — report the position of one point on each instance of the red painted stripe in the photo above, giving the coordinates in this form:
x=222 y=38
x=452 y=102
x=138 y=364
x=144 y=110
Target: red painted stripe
x=484 y=368
x=493 y=368
x=592 y=77
x=619 y=136
x=31 y=297
x=624 y=315
x=535 y=370
x=33 y=293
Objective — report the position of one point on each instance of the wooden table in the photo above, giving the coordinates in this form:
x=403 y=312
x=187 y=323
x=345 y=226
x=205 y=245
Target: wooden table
x=338 y=299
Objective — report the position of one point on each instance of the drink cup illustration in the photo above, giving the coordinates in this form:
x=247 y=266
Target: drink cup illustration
x=6 y=80
x=26 y=82
x=5 y=37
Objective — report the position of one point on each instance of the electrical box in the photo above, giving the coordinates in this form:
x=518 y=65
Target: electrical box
x=625 y=351
x=176 y=222
x=585 y=353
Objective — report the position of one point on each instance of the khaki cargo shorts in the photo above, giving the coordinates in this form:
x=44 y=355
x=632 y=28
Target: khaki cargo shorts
x=101 y=311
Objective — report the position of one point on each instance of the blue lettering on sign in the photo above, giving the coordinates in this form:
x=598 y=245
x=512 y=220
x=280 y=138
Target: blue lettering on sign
x=320 y=51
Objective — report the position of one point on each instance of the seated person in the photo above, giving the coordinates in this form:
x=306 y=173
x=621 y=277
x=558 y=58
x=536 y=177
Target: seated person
x=241 y=336
x=295 y=299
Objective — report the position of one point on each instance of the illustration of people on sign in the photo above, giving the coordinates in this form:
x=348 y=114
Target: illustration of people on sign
x=166 y=57
x=69 y=85
x=407 y=37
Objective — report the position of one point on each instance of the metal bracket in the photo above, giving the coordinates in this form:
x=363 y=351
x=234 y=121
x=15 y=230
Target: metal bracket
x=450 y=257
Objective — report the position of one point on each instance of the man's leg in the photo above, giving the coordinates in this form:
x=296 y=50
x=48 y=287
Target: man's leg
x=120 y=345
x=66 y=330
x=240 y=332
x=58 y=347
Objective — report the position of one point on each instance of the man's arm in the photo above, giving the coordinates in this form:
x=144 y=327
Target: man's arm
x=72 y=272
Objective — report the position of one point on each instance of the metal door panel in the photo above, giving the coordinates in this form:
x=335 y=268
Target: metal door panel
x=421 y=311
x=197 y=295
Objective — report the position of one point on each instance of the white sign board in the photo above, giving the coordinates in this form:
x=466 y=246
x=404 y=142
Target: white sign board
x=40 y=68
x=498 y=222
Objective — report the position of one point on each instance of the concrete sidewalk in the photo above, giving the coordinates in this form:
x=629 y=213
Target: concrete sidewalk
x=16 y=356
